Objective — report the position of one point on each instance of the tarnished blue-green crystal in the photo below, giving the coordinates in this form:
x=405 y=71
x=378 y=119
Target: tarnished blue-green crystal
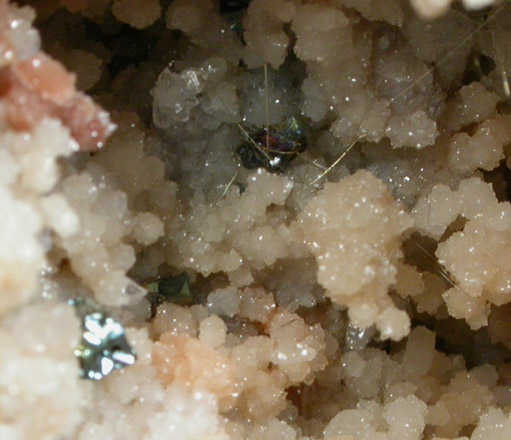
x=276 y=147
x=175 y=289
x=103 y=347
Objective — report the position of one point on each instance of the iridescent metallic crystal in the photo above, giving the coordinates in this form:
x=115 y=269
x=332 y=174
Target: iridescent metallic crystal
x=103 y=347
x=174 y=289
x=276 y=148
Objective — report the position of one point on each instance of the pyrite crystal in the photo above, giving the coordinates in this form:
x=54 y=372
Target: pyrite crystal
x=103 y=347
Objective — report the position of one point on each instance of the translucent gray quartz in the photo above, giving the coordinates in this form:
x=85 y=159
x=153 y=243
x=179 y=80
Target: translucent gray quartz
x=358 y=338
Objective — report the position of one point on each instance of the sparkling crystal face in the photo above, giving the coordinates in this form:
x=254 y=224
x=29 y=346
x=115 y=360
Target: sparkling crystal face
x=103 y=347
x=276 y=148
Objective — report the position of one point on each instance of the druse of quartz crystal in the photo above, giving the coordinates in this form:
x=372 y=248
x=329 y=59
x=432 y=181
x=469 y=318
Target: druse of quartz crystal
x=434 y=8
x=40 y=87
x=476 y=256
x=303 y=300
x=184 y=360
x=103 y=347
x=353 y=228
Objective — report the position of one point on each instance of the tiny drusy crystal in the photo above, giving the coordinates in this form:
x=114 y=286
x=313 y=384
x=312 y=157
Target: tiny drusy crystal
x=103 y=347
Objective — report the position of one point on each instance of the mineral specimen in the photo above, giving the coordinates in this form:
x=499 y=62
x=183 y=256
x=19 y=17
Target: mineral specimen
x=409 y=235
x=172 y=289
x=103 y=347
x=275 y=147
x=40 y=87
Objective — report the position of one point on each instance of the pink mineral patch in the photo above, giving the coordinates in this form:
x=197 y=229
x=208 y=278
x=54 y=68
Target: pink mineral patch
x=40 y=87
x=45 y=77
x=5 y=45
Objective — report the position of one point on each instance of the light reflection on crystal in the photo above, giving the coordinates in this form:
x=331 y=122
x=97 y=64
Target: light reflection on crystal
x=103 y=347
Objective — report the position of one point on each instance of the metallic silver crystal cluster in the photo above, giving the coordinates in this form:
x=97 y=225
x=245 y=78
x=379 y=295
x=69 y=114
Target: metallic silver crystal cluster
x=103 y=347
